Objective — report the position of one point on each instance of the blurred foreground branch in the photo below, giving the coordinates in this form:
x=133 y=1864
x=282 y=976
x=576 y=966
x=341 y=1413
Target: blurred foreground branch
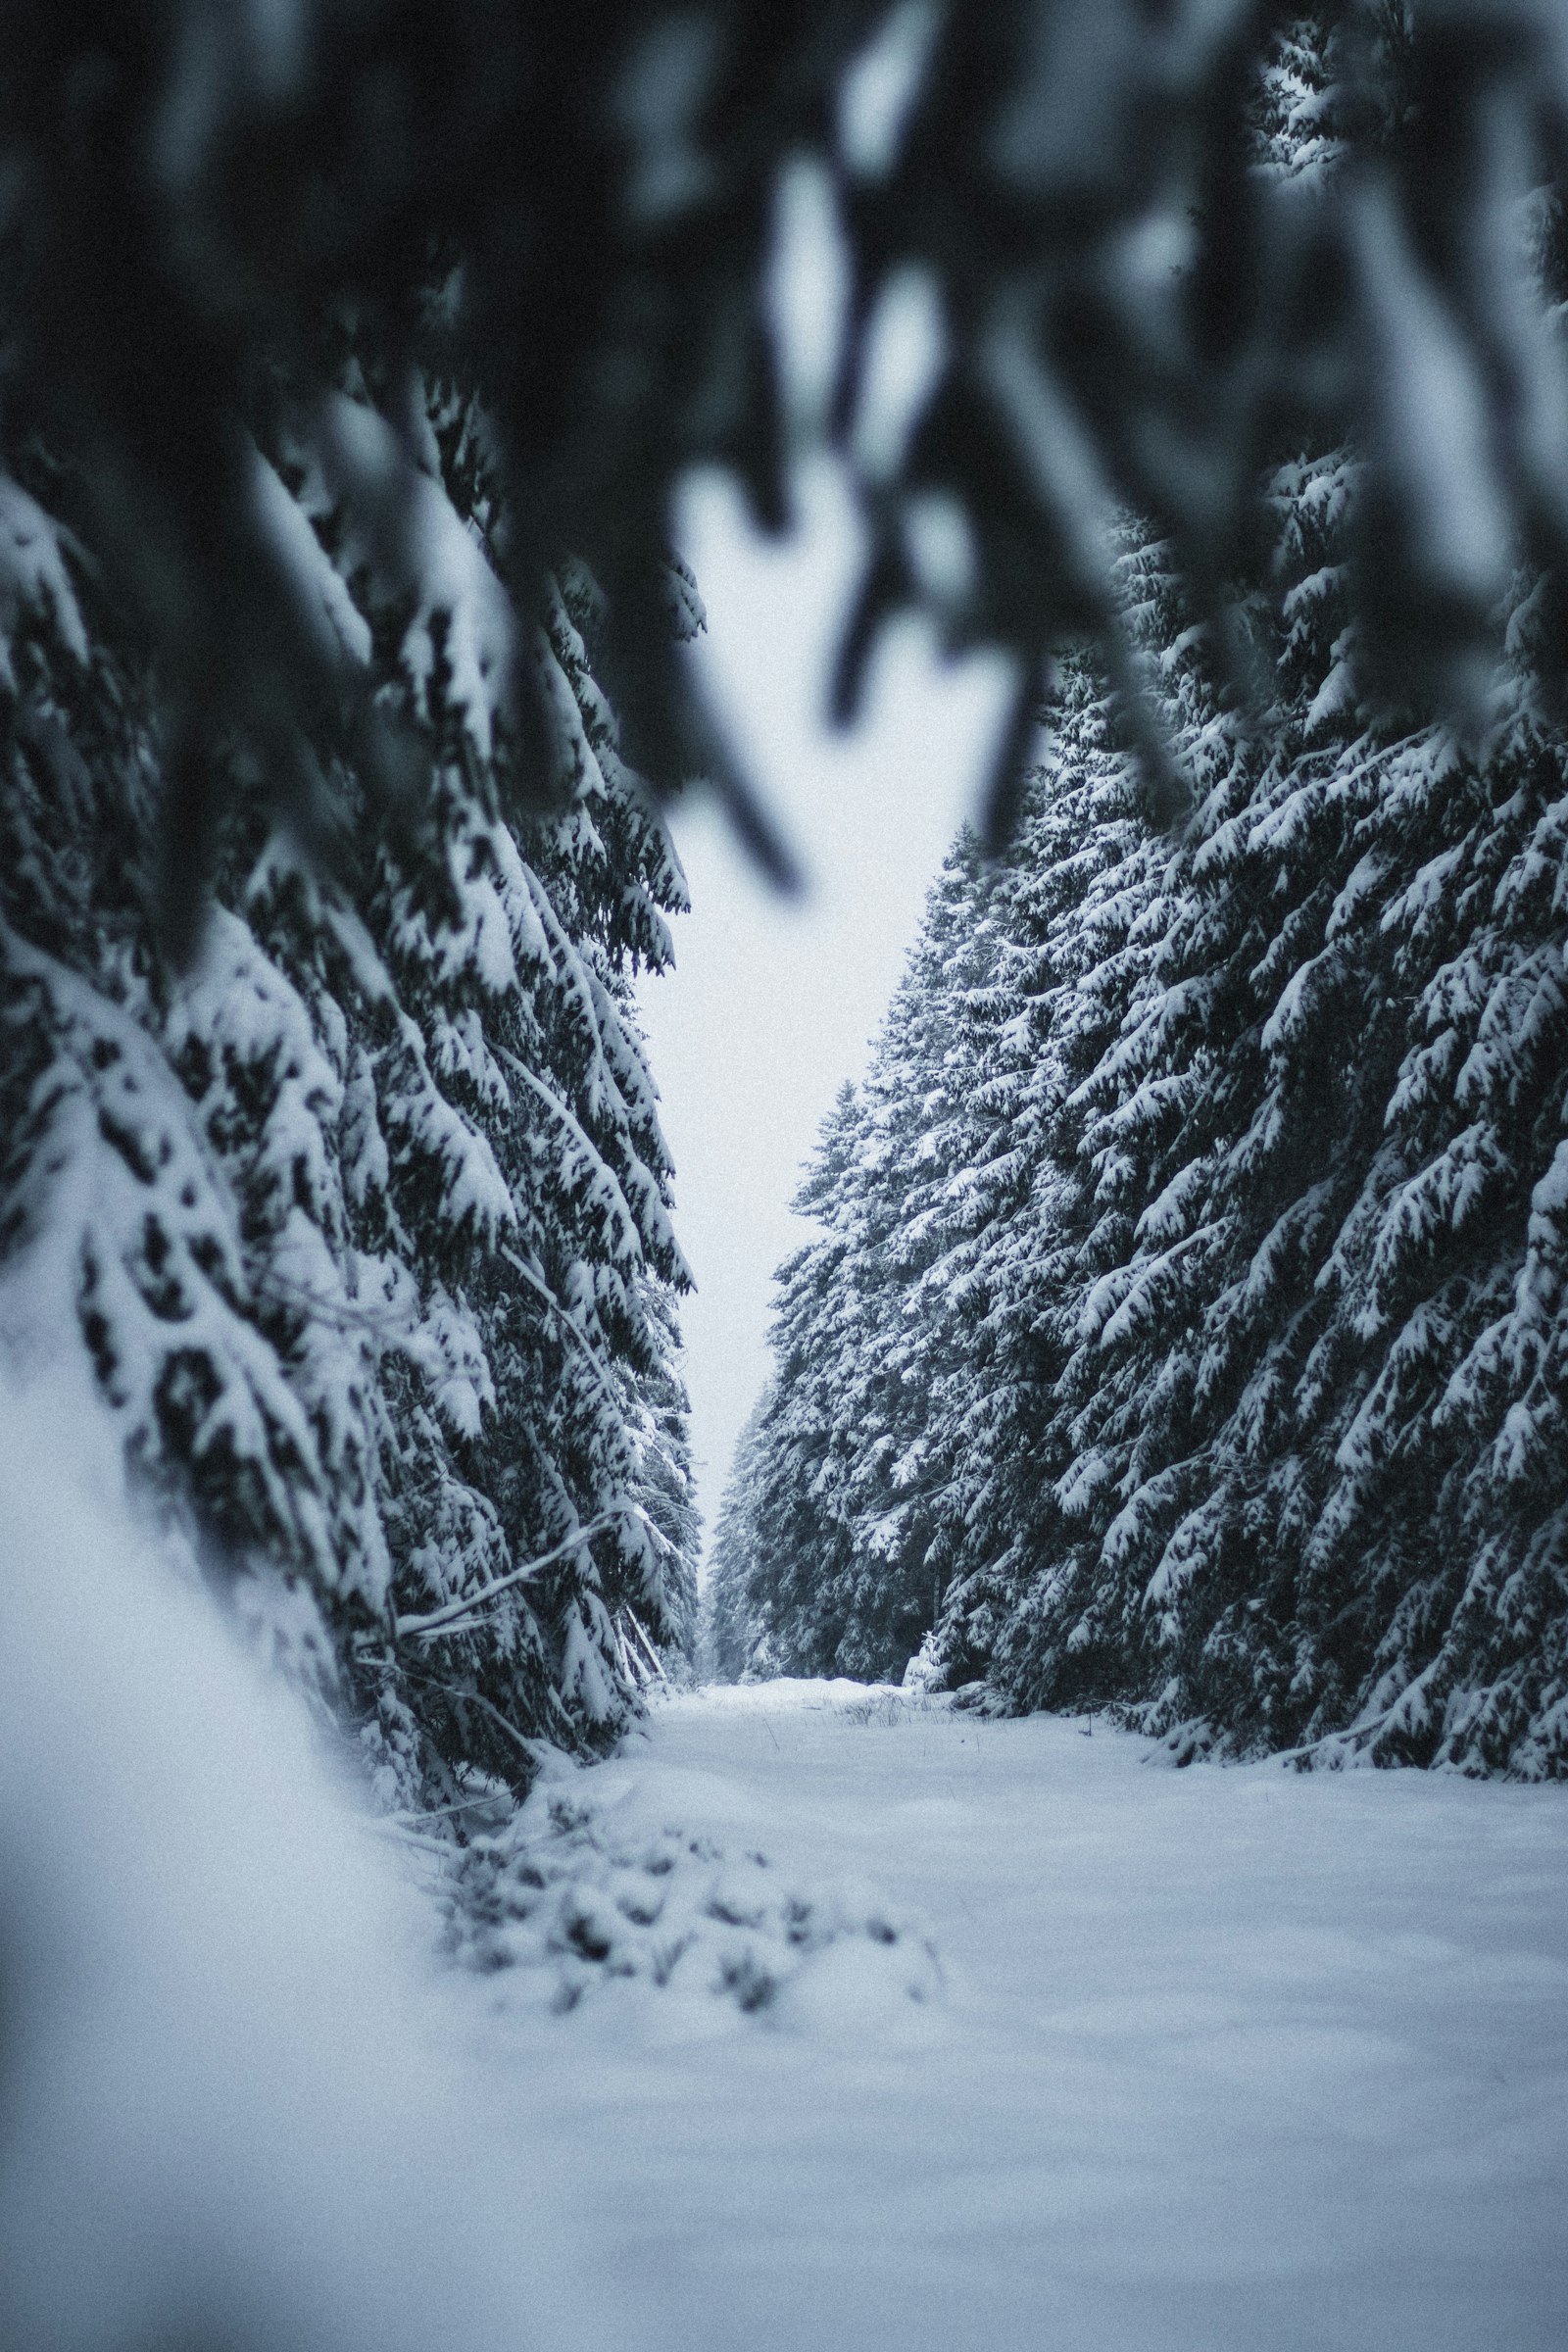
x=1158 y=248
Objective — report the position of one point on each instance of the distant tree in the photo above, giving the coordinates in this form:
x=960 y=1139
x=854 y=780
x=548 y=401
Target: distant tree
x=852 y=1540
x=734 y=1638
x=800 y=1534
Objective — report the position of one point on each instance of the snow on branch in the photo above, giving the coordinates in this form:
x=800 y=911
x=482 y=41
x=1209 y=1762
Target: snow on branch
x=450 y=1617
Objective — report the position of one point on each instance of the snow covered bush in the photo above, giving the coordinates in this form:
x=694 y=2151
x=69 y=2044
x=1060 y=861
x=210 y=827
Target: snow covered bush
x=226 y=2118
x=561 y=1902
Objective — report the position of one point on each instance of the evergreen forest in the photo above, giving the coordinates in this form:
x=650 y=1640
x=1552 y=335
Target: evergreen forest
x=1184 y=1331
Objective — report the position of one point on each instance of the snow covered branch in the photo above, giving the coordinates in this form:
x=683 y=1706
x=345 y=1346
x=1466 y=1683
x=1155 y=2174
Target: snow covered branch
x=451 y=1618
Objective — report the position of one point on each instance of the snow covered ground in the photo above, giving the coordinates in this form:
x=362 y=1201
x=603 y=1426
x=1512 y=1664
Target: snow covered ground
x=1217 y=2058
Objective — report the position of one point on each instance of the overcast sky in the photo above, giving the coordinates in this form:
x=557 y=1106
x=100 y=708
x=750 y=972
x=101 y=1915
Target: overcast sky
x=774 y=1002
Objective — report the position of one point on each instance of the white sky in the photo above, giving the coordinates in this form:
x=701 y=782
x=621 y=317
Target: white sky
x=773 y=1002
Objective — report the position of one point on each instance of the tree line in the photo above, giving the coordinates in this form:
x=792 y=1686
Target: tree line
x=1184 y=1331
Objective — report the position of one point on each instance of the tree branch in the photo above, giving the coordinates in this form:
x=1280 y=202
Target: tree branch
x=539 y=1284
x=446 y=1618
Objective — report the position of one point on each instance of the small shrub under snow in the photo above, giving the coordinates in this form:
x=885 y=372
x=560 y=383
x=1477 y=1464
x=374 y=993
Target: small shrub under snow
x=574 y=1904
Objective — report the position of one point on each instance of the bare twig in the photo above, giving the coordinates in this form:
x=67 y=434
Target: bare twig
x=638 y=1628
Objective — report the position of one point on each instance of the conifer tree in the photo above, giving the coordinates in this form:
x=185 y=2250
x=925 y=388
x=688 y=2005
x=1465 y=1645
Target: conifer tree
x=852 y=1544
x=1251 y=1428
x=363 y=1218
x=735 y=1644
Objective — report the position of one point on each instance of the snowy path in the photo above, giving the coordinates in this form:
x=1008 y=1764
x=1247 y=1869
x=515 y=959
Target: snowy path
x=1229 y=2058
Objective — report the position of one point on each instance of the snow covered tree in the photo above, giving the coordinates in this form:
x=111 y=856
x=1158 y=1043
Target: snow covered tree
x=735 y=1646
x=1249 y=1427
x=850 y=1544
x=364 y=1218
x=797 y=1536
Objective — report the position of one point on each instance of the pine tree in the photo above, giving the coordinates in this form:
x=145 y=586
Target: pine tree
x=735 y=1646
x=364 y=1218
x=851 y=1542
x=1250 y=1426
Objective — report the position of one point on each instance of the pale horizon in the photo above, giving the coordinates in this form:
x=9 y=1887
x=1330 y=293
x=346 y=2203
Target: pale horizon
x=774 y=1002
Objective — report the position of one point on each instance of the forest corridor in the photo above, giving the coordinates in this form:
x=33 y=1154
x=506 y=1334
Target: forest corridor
x=462 y=1889
x=1074 y=2049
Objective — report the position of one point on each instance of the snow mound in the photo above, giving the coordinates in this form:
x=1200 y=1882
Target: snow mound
x=577 y=1902
x=225 y=2091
